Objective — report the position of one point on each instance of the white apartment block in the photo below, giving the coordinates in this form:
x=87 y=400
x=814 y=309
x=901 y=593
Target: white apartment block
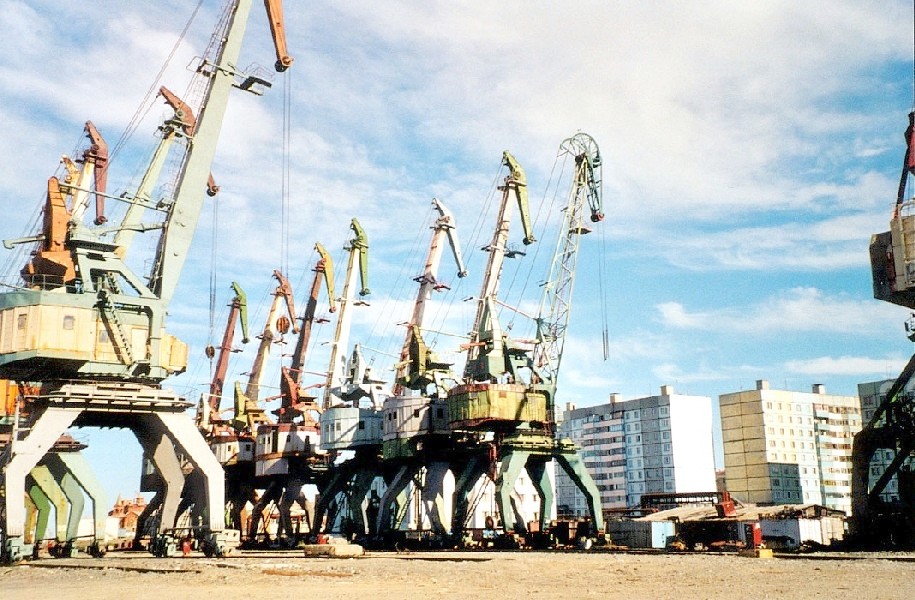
x=658 y=444
x=786 y=447
x=872 y=394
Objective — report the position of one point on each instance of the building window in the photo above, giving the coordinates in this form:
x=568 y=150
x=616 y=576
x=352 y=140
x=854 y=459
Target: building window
x=69 y=322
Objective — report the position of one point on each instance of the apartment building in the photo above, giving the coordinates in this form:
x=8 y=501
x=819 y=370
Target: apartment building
x=659 y=443
x=787 y=447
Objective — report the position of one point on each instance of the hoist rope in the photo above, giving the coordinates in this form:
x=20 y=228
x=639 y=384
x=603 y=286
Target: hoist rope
x=399 y=290
x=545 y=213
x=285 y=186
x=603 y=279
x=214 y=261
x=146 y=104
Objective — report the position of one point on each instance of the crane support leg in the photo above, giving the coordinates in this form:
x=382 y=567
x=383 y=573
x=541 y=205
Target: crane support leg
x=362 y=482
x=513 y=461
x=196 y=450
x=400 y=482
x=574 y=466
x=20 y=457
x=72 y=491
x=272 y=494
x=433 y=496
x=540 y=477
x=38 y=524
x=291 y=495
x=239 y=491
x=79 y=468
x=466 y=481
x=42 y=476
x=160 y=449
x=31 y=518
x=336 y=485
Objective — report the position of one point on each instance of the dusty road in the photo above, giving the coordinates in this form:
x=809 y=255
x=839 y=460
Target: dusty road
x=506 y=575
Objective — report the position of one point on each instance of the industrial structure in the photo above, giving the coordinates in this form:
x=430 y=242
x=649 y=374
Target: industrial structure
x=884 y=447
x=873 y=394
x=89 y=330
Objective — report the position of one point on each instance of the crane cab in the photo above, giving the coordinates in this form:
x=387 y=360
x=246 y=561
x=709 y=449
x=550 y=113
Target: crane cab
x=280 y=445
x=893 y=258
x=493 y=405
x=232 y=449
x=69 y=334
x=407 y=418
x=346 y=427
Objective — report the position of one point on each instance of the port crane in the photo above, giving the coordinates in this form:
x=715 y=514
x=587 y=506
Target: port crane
x=287 y=452
x=415 y=435
x=885 y=446
x=249 y=414
x=347 y=425
x=233 y=449
x=509 y=387
x=84 y=315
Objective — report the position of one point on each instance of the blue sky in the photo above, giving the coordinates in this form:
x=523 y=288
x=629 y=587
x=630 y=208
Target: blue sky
x=749 y=153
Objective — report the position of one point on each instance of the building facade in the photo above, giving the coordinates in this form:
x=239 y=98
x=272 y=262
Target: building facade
x=787 y=447
x=657 y=444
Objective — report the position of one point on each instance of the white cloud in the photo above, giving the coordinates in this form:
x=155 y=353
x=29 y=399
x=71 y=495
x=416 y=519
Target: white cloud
x=848 y=365
x=795 y=310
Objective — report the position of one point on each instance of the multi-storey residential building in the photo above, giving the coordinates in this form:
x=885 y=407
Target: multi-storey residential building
x=872 y=394
x=656 y=444
x=783 y=446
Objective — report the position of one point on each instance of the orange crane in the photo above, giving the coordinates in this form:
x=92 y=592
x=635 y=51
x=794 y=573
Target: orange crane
x=97 y=340
x=288 y=453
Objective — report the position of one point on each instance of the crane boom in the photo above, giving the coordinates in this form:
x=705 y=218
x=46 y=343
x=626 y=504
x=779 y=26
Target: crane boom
x=195 y=171
x=480 y=363
x=358 y=248
x=276 y=323
x=556 y=303
x=238 y=311
x=278 y=30
x=291 y=376
x=324 y=269
x=408 y=369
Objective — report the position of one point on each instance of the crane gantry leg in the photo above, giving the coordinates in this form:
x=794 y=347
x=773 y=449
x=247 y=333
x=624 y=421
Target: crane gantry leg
x=18 y=459
x=540 y=478
x=74 y=495
x=52 y=489
x=514 y=460
x=433 y=496
x=78 y=467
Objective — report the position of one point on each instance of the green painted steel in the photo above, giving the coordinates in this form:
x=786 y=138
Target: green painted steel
x=192 y=185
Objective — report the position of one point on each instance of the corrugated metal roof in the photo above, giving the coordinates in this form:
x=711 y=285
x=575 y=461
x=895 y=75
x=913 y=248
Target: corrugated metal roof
x=745 y=512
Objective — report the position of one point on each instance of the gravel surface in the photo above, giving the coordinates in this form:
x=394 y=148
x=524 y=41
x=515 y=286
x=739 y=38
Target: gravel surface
x=488 y=575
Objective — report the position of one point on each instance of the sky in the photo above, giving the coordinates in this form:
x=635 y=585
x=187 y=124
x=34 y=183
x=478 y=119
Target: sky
x=749 y=153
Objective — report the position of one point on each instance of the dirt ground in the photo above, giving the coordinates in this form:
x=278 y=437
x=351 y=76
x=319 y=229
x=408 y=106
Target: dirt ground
x=487 y=575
